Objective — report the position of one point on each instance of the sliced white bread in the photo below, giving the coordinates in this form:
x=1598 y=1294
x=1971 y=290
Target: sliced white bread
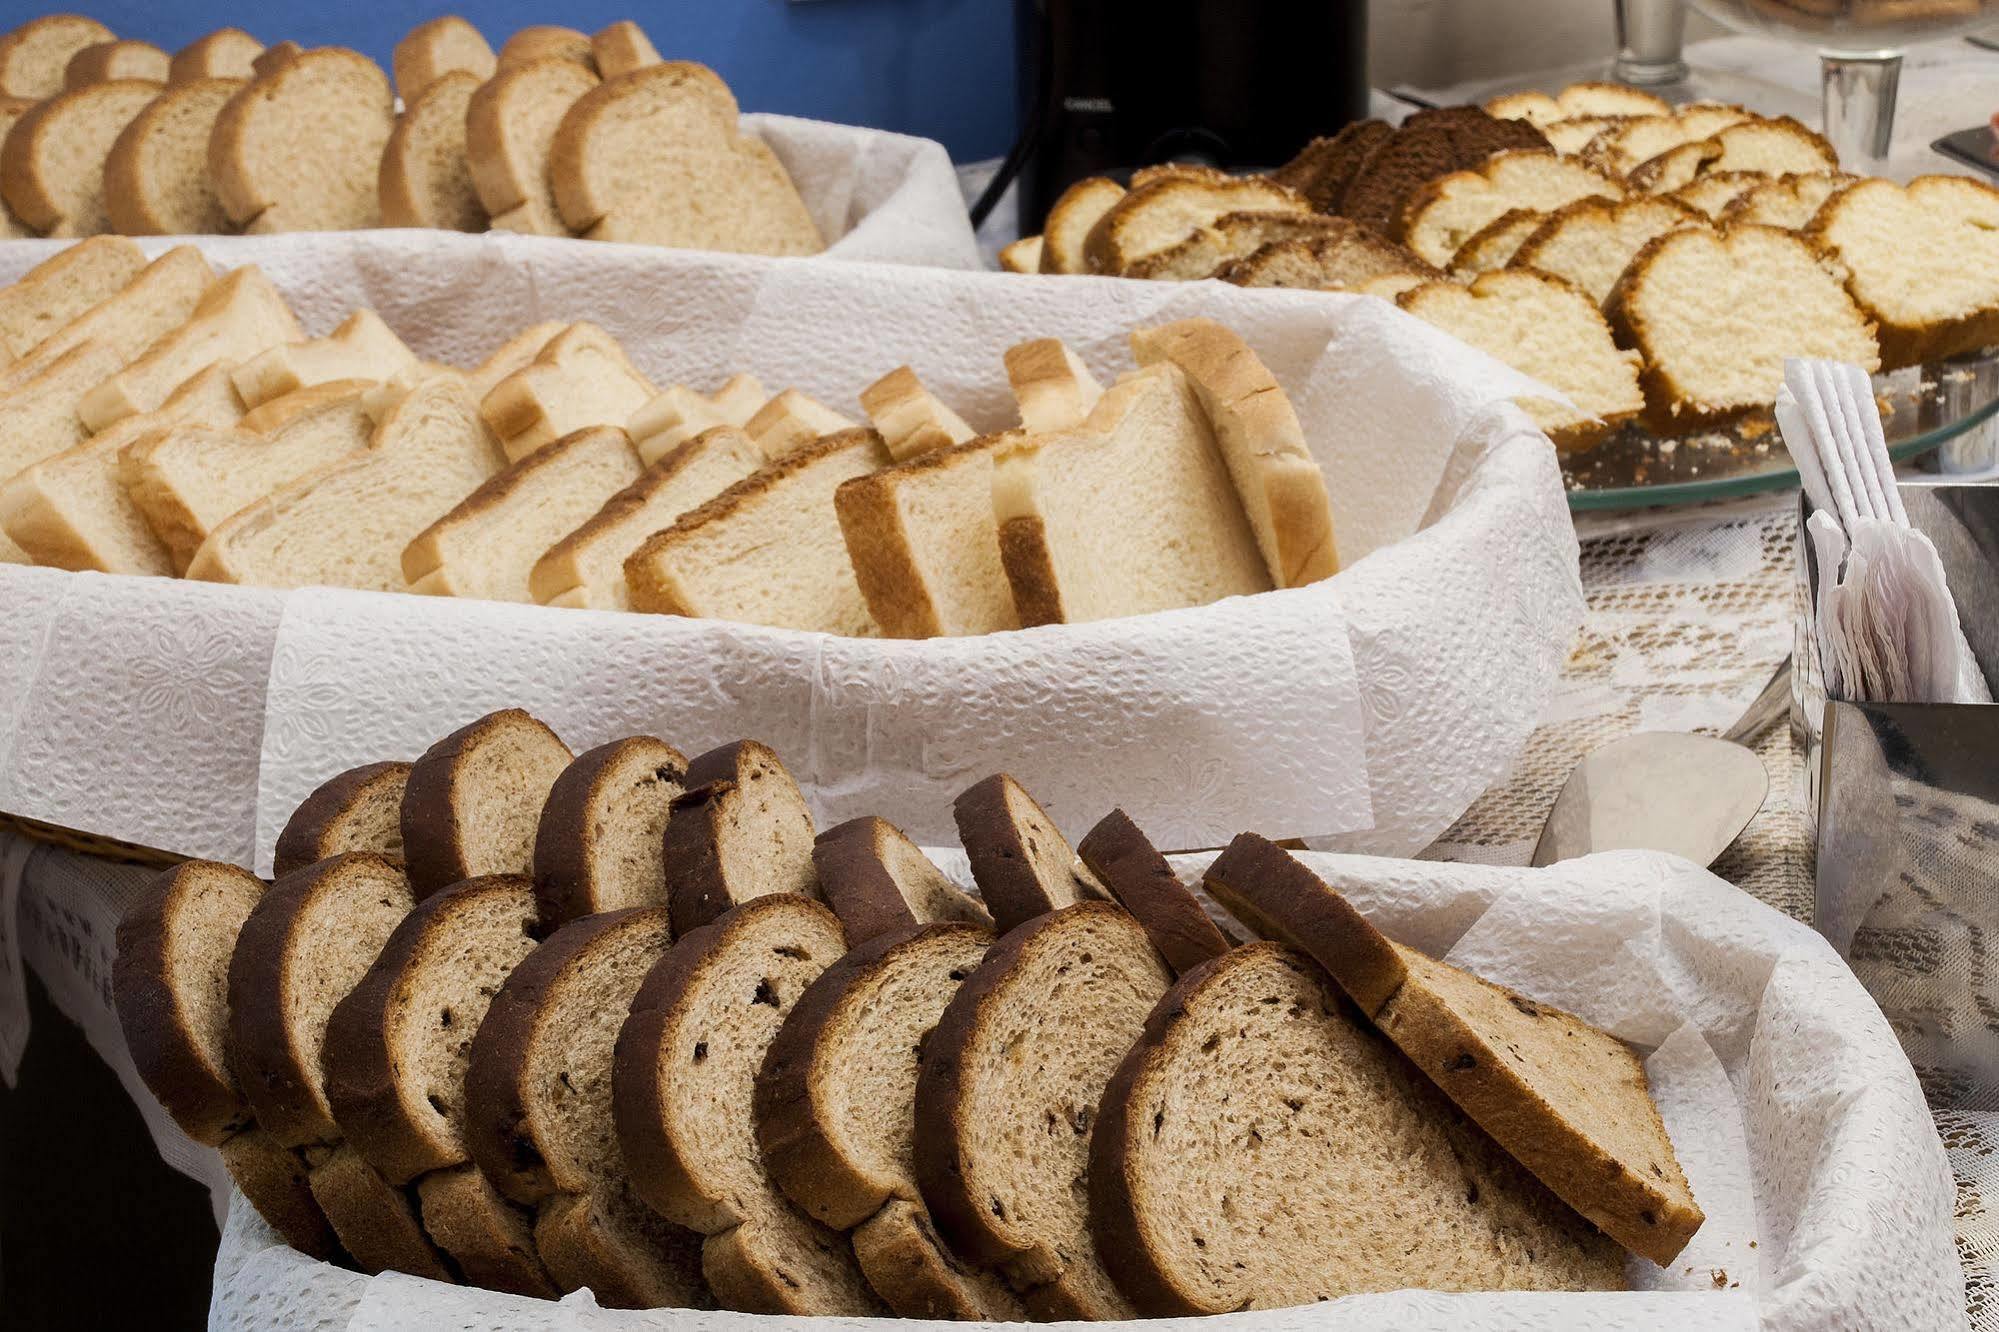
x=1163 y=213
x=1052 y=387
x=1074 y=986
x=236 y=318
x=186 y=481
x=1145 y=467
x=1544 y=327
x=598 y=844
x=1492 y=246
x=1070 y=220
x=156 y=175
x=510 y=125
x=683 y=1072
x=1021 y=256
x=1276 y=478
x=1789 y=201
x=1020 y=860
x=634 y=154
x=1117 y=852
x=473 y=800
x=1568 y=1100
x=52 y=293
x=580 y=378
x=879 y=882
x=908 y=416
x=34 y=55
x=515 y=354
x=586 y=568
x=356 y=810
x=790 y=421
x=1920 y=261
x=768 y=550
x=52 y=163
x=424 y=179
x=679 y=413
x=1254 y=1112
x=488 y=543
x=1444 y=213
x=300 y=148
x=621 y=47
x=1767 y=288
x=447 y=44
x=1590 y=242
x=345 y=525
x=120 y=59
x=546 y=41
x=362 y=347
x=740 y=831
x=226 y=53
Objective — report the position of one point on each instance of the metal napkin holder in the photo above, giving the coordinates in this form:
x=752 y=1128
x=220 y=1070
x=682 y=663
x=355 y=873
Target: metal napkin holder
x=1905 y=800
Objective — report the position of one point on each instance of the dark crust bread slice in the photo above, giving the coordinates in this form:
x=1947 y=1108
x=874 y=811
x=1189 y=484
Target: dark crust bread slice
x=1568 y=1100
x=489 y=1238
x=711 y=865
x=879 y=882
x=1022 y=864
x=600 y=842
x=274 y=1179
x=507 y=756
x=907 y=1261
x=1145 y=885
x=174 y=1014
x=336 y=818
x=1324 y=168
x=376 y=1221
x=627 y=1254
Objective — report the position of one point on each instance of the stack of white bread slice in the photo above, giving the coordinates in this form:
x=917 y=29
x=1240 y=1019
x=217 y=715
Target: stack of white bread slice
x=631 y=1022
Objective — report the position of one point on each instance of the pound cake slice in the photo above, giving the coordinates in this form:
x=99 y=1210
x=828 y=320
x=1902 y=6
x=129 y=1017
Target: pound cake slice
x=1070 y=220
x=1324 y=168
x=879 y=882
x=1020 y=860
x=473 y=801
x=1442 y=215
x=226 y=53
x=362 y=347
x=1256 y=1116
x=835 y=1107
x=1591 y=241
x=580 y=378
x=424 y=180
x=1789 y=201
x=1569 y=1101
x=61 y=287
x=682 y=1080
x=1145 y=885
x=299 y=148
x=1339 y=258
x=52 y=163
x=741 y=831
x=1231 y=236
x=599 y=843
x=1162 y=213
x=1767 y=287
x=908 y=416
x=156 y=174
x=357 y=810
x=1003 y=1143
x=510 y=126
x=34 y=56
x=1492 y=245
x=1711 y=194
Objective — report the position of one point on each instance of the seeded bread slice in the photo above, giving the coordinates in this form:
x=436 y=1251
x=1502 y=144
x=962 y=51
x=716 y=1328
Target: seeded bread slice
x=600 y=843
x=1568 y=1100
x=1163 y=213
x=878 y=882
x=1256 y=1116
x=1070 y=219
x=52 y=163
x=357 y=810
x=424 y=181
x=445 y=45
x=510 y=126
x=34 y=55
x=790 y=421
x=1592 y=241
x=1020 y=860
x=1121 y=858
x=908 y=416
x=299 y=147
x=226 y=53
x=62 y=287
x=1441 y=215
x=1051 y=385
x=473 y=800
x=1493 y=245
x=1002 y=1144
x=1340 y=258
x=1021 y=256
x=683 y=1072
x=156 y=174
x=742 y=830
x=580 y=378
x=361 y=347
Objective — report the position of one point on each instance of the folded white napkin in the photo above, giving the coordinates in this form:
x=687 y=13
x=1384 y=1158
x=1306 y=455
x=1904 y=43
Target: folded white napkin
x=1887 y=628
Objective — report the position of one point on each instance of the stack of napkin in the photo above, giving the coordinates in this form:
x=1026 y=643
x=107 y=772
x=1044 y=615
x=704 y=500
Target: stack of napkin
x=1887 y=628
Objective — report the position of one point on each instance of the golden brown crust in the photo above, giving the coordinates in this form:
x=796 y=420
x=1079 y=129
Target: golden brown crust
x=126 y=198
x=226 y=53
x=23 y=181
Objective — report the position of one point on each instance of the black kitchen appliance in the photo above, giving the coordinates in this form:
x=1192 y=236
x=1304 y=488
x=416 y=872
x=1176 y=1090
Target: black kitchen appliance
x=1109 y=85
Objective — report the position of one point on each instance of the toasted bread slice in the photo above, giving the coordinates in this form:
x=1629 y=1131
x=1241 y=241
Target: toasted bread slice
x=791 y=421
x=1684 y=284
x=156 y=174
x=510 y=126
x=1231 y=236
x=346 y=524
x=542 y=41
x=1344 y=255
x=598 y=845
x=1020 y=860
x=445 y=45
x=1021 y=256
x=683 y=1072
x=487 y=544
x=679 y=414
x=1569 y=1101
x=34 y=55
x=226 y=53
x=60 y=288
x=1493 y=245
x=1591 y=241
x=768 y=550
x=836 y=1115
x=124 y=58
x=580 y=378
x=977 y=1102
x=1710 y=195
x=473 y=800
x=299 y=148
x=52 y=163
x=587 y=567
x=1070 y=220
x=1052 y=387
x=1161 y=214
x=1324 y=168
x=878 y=882
x=357 y=810
x=362 y=347
x=1204 y=1209
x=1440 y=216
x=424 y=180
x=1276 y=478
x=1789 y=201
x=742 y=830
x=1920 y=260
x=236 y=317
x=1145 y=466
x=1118 y=854
x=908 y=416
x=621 y=47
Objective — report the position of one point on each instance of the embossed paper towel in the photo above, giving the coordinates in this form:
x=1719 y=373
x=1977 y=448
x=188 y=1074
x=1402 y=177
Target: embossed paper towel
x=1796 y=1116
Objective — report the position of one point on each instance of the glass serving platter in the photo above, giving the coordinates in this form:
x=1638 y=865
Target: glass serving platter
x=1950 y=403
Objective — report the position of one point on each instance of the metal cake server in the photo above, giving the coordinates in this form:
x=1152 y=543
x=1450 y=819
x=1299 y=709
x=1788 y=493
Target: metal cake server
x=1691 y=795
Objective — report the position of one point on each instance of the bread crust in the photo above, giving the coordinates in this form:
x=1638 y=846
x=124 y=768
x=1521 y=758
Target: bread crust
x=1003 y=861
x=312 y=832
x=697 y=880
x=1145 y=885
x=489 y=126
x=26 y=189
x=492 y=1243
x=376 y=1222
x=432 y=846
x=567 y=876
x=226 y=53
x=1087 y=199
x=126 y=198
x=405 y=200
x=860 y=886
x=274 y=1180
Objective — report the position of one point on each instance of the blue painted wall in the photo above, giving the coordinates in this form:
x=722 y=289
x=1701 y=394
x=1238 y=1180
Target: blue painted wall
x=939 y=68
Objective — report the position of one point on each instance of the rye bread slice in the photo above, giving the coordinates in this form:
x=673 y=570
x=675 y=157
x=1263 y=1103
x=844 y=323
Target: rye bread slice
x=473 y=801
x=600 y=843
x=357 y=810
x=682 y=1078
x=836 y=1115
x=377 y=1222
x=1568 y=1100
x=879 y=882
x=1002 y=1143
x=1145 y=885
x=1022 y=864
x=277 y=1182
x=630 y=1256
x=490 y=1240
x=1258 y=1117
x=742 y=830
